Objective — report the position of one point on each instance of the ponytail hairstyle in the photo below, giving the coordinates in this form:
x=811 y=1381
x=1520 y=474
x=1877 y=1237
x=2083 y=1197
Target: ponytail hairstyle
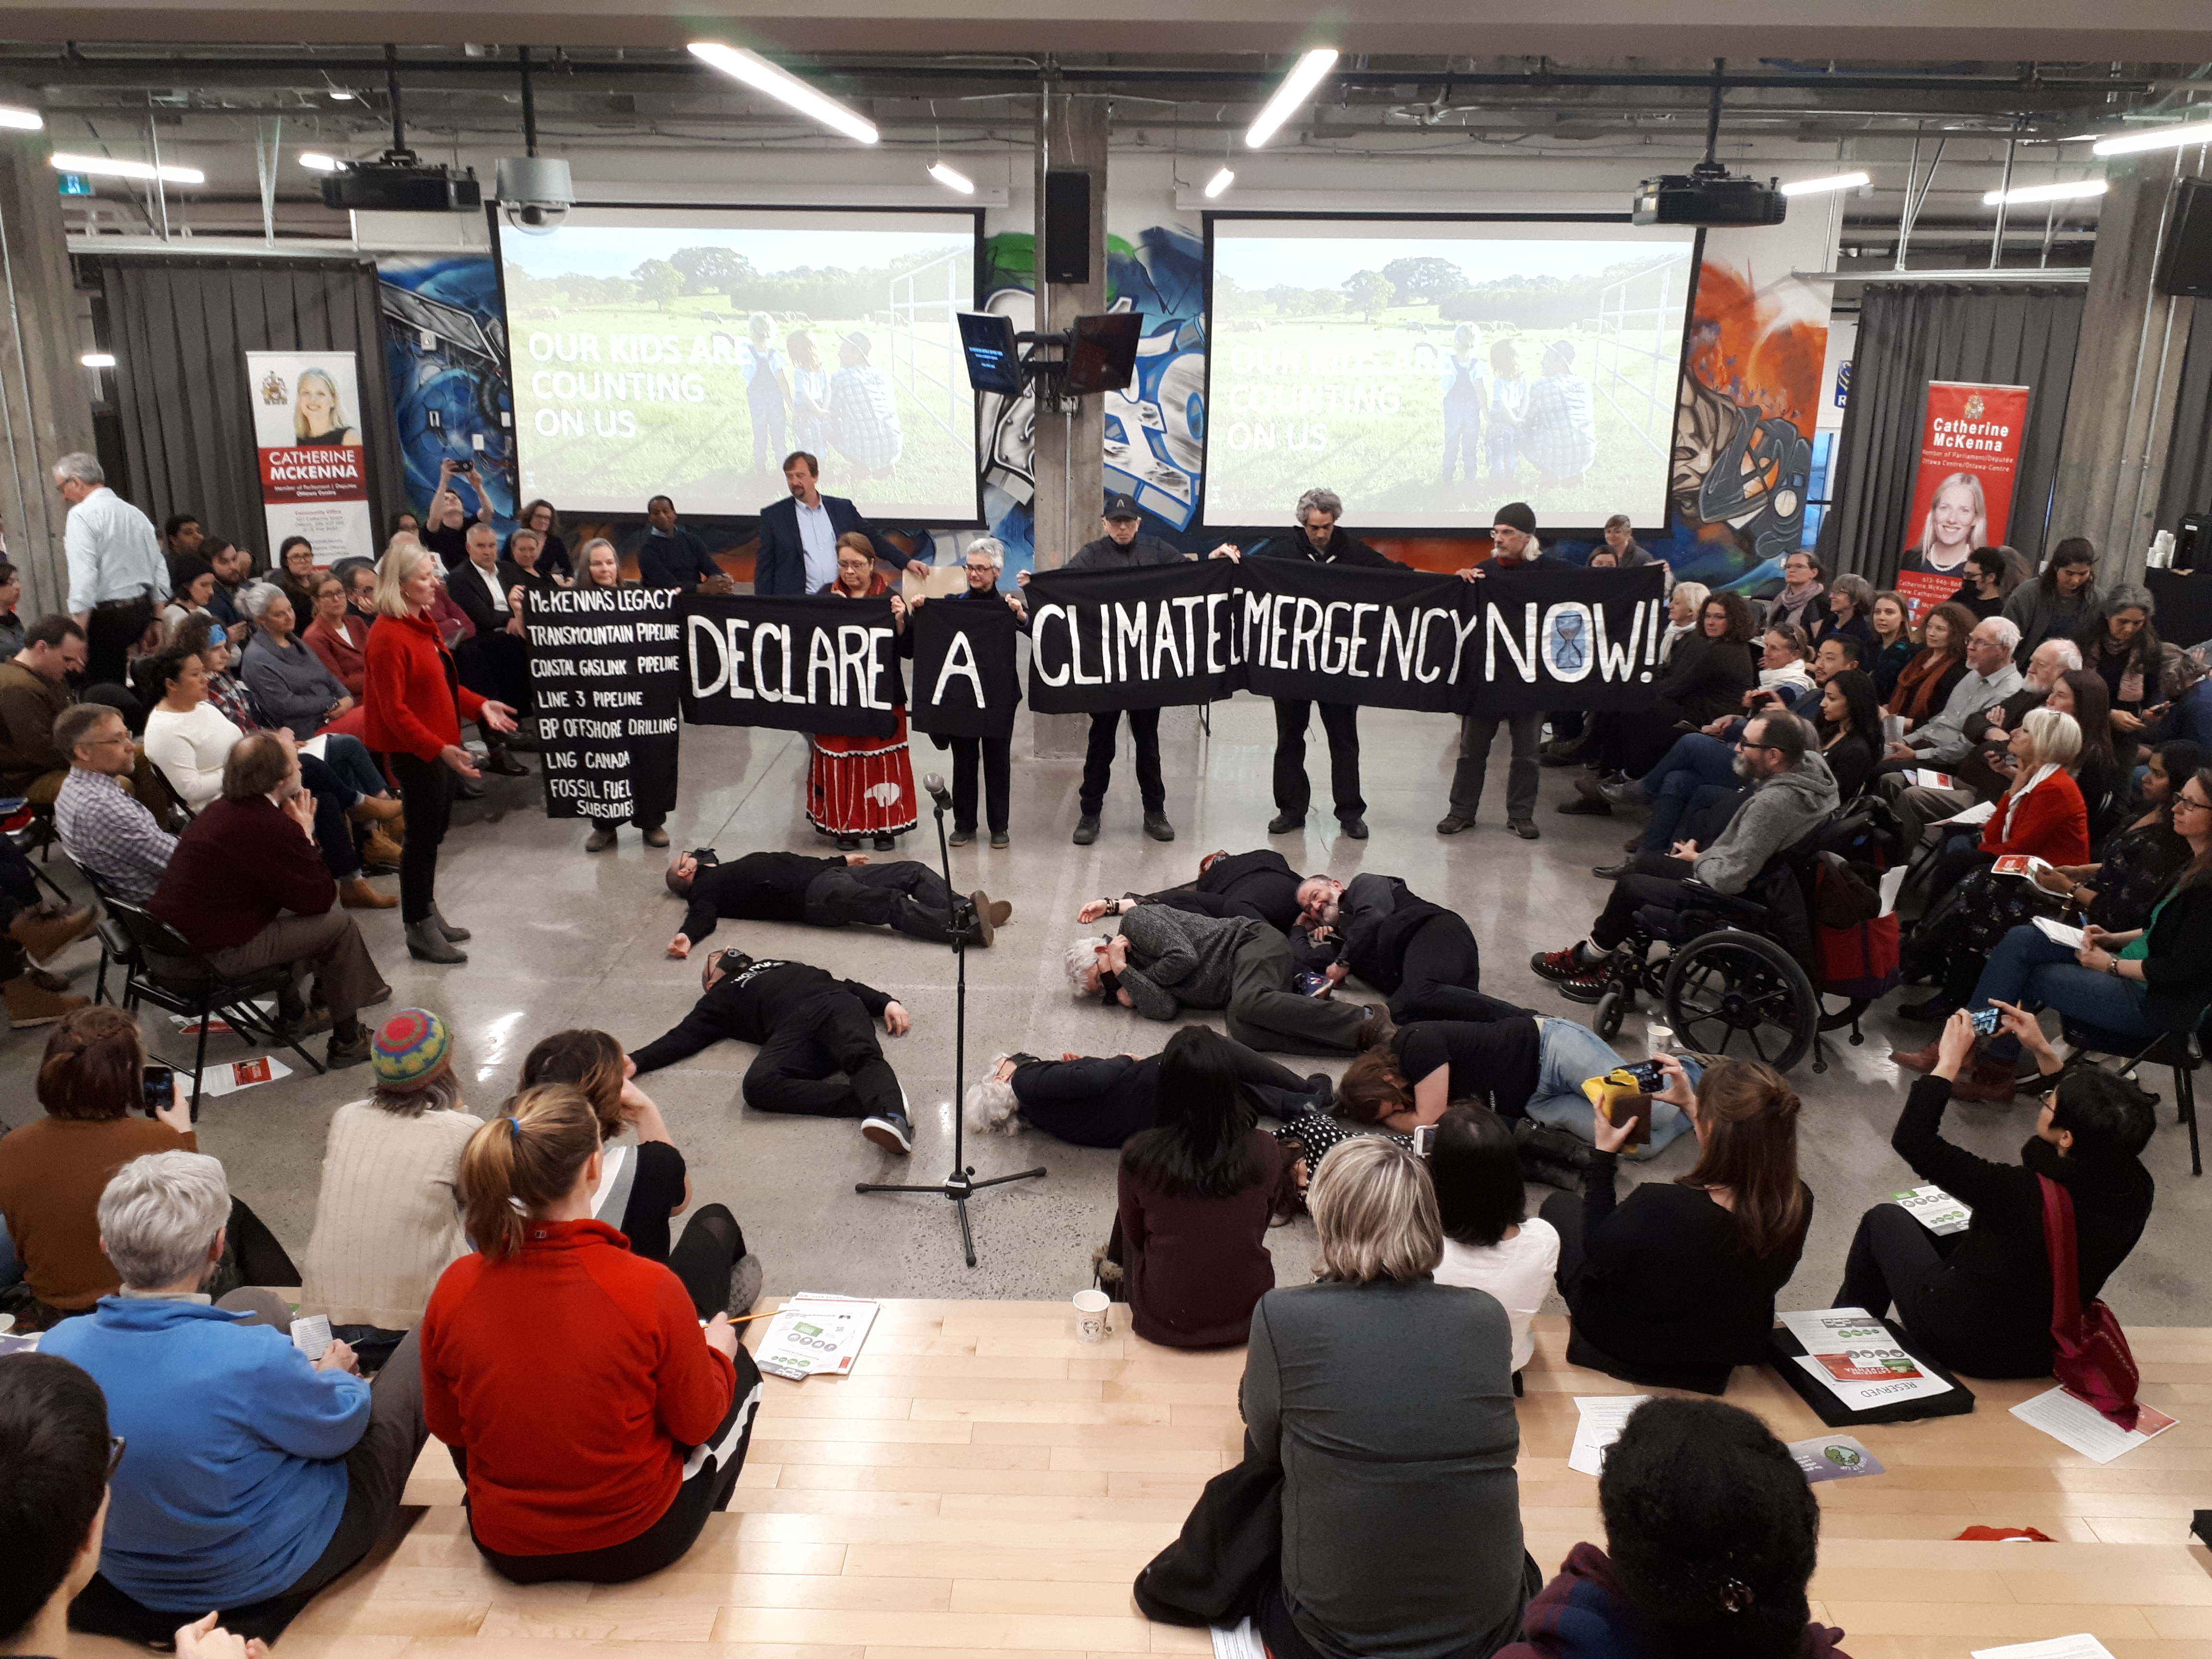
x=1749 y=1115
x=590 y=1061
x=524 y=1161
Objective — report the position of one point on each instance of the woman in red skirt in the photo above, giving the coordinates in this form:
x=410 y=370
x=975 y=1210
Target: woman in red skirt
x=862 y=786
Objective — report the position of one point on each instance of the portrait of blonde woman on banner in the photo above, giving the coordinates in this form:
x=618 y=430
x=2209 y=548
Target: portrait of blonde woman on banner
x=314 y=461
x=319 y=416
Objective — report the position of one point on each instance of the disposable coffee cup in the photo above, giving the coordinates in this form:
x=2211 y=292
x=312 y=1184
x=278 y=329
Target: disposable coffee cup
x=1659 y=1039
x=1091 y=1316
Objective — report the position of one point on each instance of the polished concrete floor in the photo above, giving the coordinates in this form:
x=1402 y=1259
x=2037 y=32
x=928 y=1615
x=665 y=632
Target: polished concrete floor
x=563 y=939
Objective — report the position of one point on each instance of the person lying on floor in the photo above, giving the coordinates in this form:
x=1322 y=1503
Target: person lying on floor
x=1102 y=1100
x=810 y=1027
x=1165 y=960
x=1260 y=883
x=842 y=890
x=1980 y=1300
x=1421 y=955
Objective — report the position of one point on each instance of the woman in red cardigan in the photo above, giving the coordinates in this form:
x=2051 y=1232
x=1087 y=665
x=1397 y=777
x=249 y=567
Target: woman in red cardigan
x=415 y=704
x=337 y=636
x=597 y=1424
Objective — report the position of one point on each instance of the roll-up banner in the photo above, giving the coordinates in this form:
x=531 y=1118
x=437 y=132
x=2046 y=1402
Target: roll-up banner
x=606 y=669
x=315 y=471
x=1962 y=488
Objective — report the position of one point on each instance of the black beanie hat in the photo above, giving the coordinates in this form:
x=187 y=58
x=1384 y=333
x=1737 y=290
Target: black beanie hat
x=1516 y=514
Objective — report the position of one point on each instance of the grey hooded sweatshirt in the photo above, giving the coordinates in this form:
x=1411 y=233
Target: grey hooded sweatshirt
x=1772 y=817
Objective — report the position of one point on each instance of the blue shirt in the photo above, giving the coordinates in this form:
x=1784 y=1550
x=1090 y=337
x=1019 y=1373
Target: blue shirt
x=678 y=559
x=235 y=1475
x=819 y=538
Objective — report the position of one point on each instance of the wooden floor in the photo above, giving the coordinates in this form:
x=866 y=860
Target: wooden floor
x=984 y=1484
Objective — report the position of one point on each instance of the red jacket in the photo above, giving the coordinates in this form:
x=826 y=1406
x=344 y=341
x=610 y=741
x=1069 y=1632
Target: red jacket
x=236 y=866
x=2052 y=824
x=336 y=646
x=569 y=1374
x=409 y=690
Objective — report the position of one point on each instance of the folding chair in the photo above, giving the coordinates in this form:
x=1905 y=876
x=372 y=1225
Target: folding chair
x=2183 y=1050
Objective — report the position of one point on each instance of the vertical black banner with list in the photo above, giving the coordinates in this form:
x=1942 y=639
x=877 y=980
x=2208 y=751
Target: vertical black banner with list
x=606 y=666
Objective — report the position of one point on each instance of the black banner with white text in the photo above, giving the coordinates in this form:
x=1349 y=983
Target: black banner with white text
x=812 y=663
x=964 y=684
x=1386 y=639
x=1562 y=637
x=605 y=669
x=1148 y=638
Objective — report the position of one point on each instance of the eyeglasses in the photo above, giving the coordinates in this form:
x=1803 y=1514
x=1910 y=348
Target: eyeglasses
x=2180 y=801
x=116 y=1442
x=1746 y=742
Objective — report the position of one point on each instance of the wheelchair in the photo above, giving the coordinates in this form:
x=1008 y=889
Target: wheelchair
x=1737 y=977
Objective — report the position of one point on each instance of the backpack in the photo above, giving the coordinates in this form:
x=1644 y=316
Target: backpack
x=2090 y=1355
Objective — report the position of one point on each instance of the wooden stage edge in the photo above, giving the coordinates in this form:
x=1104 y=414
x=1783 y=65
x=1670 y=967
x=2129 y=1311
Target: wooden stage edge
x=985 y=1483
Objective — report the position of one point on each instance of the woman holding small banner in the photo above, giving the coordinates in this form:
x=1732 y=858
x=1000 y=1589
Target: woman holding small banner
x=986 y=557
x=862 y=786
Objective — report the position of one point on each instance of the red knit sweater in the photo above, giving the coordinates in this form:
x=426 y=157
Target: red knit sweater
x=2052 y=824
x=407 y=692
x=569 y=1374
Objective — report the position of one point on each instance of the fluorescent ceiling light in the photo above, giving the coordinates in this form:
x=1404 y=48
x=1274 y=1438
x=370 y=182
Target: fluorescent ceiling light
x=316 y=161
x=2069 y=191
x=761 y=75
x=336 y=92
x=1822 y=186
x=2174 y=137
x=1219 y=182
x=98 y=359
x=23 y=120
x=952 y=178
x=105 y=166
x=1305 y=74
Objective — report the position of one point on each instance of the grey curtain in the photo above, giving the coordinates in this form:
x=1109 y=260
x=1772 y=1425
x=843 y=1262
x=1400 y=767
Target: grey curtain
x=180 y=329
x=2188 y=487
x=1910 y=333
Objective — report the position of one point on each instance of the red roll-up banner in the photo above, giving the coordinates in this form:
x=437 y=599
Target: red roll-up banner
x=1970 y=440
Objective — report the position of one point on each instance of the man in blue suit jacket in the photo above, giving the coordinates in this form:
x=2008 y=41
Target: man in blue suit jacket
x=798 y=535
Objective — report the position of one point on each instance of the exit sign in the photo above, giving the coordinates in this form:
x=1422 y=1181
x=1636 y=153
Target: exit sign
x=75 y=184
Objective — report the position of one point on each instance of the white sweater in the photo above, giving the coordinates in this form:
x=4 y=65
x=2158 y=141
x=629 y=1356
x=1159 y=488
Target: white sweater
x=190 y=749
x=1517 y=1270
x=388 y=1218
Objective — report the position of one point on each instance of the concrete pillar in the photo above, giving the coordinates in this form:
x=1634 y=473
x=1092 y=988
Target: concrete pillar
x=2127 y=370
x=1071 y=466
x=46 y=393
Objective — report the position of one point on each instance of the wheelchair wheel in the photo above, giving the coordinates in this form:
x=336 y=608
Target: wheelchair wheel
x=1734 y=992
x=1605 y=1019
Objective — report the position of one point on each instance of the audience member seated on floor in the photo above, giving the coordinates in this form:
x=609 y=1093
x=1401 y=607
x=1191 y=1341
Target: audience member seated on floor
x=288 y=681
x=1675 y=1286
x=1519 y=1065
x=256 y=1474
x=1102 y=1100
x=1711 y=1536
x=54 y=1169
x=337 y=636
x=55 y=1460
x=1198 y=1193
x=645 y=1185
x=599 y=1458
x=100 y=826
x=34 y=691
x=1422 y=956
x=1165 y=960
x=1490 y=1244
x=1792 y=791
x=1260 y=883
x=248 y=890
x=844 y=889
x=2126 y=986
x=388 y=1217
x=1980 y=1300
x=1387 y=1399
x=818 y=1053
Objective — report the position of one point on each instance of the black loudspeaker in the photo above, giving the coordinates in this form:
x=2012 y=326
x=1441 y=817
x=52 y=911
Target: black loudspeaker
x=1067 y=225
x=2185 y=264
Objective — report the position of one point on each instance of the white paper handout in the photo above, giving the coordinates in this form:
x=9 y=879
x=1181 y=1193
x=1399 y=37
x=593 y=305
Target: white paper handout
x=311 y=1334
x=1859 y=1360
x=228 y=1077
x=1603 y=1417
x=1980 y=812
x=2058 y=1647
x=1934 y=1209
x=1892 y=883
x=1242 y=1643
x=1929 y=778
x=2059 y=933
x=815 y=1333
x=2073 y=1421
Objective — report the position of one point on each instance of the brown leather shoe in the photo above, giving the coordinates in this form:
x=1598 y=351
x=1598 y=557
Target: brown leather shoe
x=1988 y=1081
x=44 y=937
x=1920 y=1060
x=31 y=1004
x=987 y=917
x=379 y=854
x=375 y=809
x=358 y=894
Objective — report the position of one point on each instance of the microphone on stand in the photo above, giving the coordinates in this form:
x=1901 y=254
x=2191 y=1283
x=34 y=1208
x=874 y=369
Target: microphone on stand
x=932 y=784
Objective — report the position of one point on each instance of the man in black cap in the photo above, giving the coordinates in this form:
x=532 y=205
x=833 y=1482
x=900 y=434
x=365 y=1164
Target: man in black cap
x=1121 y=548
x=1513 y=541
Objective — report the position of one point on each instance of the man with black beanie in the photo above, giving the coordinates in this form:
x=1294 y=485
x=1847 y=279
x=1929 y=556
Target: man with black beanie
x=1513 y=538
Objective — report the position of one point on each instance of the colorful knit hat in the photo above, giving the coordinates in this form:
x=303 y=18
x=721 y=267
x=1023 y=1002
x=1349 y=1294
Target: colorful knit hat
x=410 y=1048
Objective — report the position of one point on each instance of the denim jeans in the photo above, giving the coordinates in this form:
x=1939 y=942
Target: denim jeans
x=349 y=758
x=1693 y=763
x=2031 y=970
x=1569 y=1056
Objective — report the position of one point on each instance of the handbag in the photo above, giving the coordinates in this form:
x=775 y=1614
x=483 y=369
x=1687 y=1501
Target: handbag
x=1228 y=1556
x=2090 y=1355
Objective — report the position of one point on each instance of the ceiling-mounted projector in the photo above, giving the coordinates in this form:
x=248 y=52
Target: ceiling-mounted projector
x=534 y=192
x=1707 y=195
x=399 y=181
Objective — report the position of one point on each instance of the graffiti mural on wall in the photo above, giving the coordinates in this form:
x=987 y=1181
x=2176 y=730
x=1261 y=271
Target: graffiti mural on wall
x=1155 y=430
x=446 y=345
